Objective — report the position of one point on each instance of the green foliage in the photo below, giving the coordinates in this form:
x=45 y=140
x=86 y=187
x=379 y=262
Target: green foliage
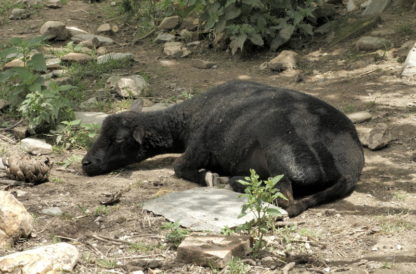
x=236 y=266
x=70 y=161
x=45 y=108
x=258 y=22
x=74 y=134
x=175 y=235
x=260 y=194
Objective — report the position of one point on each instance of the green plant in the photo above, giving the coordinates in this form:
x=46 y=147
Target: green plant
x=236 y=266
x=259 y=195
x=175 y=235
x=106 y=263
x=141 y=247
x=70 y=160
x=258 y=22
x=101 y=210
x=74 y=134
x=45 y=108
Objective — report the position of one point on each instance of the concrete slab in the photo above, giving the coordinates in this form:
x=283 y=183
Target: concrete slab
x=202 y=208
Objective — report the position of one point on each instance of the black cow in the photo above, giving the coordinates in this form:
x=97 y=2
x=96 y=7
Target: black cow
x=238 y=126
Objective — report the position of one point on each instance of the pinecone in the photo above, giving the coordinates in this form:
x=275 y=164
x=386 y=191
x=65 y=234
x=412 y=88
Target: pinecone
x=28 y=169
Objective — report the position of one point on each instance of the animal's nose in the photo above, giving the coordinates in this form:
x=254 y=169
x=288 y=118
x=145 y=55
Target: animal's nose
x=85 y=162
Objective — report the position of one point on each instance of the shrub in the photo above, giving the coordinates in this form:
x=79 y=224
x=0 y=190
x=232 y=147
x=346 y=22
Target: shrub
x=258 y=22
x=73 y=134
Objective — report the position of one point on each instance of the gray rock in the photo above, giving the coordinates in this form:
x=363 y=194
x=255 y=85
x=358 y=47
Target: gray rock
x=128 y=86
x=103 y=41
x=55 y=30
x=376 y=138
x=18 y=14
x=190 y=23
x=202 y=209
x=410 y=63
x=370 y=43
x=104 y=28
x=54 y=4
x=2 y=166
x=36 y=146
x=187 y=35
x=169 y=23
x=52 y=211
x=156 y=107
x=53 y=63
x=115 y=56
x=164 y=37
x=376 y=7
x=269 y=262
x=20 y=132
x=202 y=64
x=176 y=49
x=286 y=60
x=90 y=117
x=16 y=63
x=348 y=27
x=15 y=221
x=359 y=117
x=404 y=49
x=56 y=258
x=90 y=102
x=77 y=57
x=213 y=251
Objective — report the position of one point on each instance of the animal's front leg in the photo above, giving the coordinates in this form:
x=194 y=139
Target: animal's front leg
x=190 y=166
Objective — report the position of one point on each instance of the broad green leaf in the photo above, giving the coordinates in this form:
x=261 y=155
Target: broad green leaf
x=284 y=35
x=256 y=39
x=231 y=12
x=271 y=211
x=306 y=28
x=37 y=62
x=254 y=3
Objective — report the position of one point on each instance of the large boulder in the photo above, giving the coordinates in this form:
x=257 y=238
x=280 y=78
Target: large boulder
x=15 y=221
x=128 y=86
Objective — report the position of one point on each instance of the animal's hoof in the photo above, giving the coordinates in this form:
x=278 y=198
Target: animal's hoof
x=211 y=179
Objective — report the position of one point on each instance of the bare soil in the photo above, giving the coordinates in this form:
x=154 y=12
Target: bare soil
x=372 y=231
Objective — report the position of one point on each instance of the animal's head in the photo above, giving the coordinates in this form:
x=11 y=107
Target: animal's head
x=120 y=143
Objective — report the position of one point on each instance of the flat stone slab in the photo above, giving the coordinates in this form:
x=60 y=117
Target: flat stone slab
x=90 y=117
x=202 y=208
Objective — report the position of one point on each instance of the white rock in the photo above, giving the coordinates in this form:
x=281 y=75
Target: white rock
x=359 y=117
x=286 y=60
x=52 y=211
x=164 y=37
x=36 y=146
x=56 y=258
x=370 y=43
x=15 y=221
x=53 y=63
x=169 y=23
x=19 y=14
x=115 y=56
x=54 y=4
x=375 y=7
x=128 y=86
x=175 y=49
x=410 y=63
x=104 y=28
x=87 y=36
x=77 y=57
x=75 y=30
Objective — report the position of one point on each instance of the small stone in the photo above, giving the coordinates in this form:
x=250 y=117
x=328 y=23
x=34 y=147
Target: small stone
x=77 y=57
x=115 y=56
x=188 y=35
x=410 y=63
x=286 y=60
x=54 y=4
x=202 y=64
x=53 y=63
x=269 y=262
x=370 y=43
x=169 y=23
x=16 y=63
x=164 y=37
x=91 y=43
x=190 y=23
x=156 y=107
x=113 y=3
x=56 y=258
x=18 y=14
x=87 y=36
x=128 y=86
x=52 y=211
x=55 y=30
x=359 y=117
x=20 y=132
x=175 y=49
x=101 y=51
x=88 y=103
x=376 y=138
x=36 y=146
x=104 y=28
x=213 y=251
x=15 y=221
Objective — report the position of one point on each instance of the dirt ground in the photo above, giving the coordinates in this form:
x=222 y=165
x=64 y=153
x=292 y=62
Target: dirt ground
x=372 y=231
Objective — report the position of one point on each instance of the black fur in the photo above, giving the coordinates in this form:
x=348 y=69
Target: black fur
x=237 y=126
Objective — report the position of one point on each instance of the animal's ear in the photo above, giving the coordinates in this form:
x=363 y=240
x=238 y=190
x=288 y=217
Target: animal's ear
x=138 y=134
x=137 y=105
